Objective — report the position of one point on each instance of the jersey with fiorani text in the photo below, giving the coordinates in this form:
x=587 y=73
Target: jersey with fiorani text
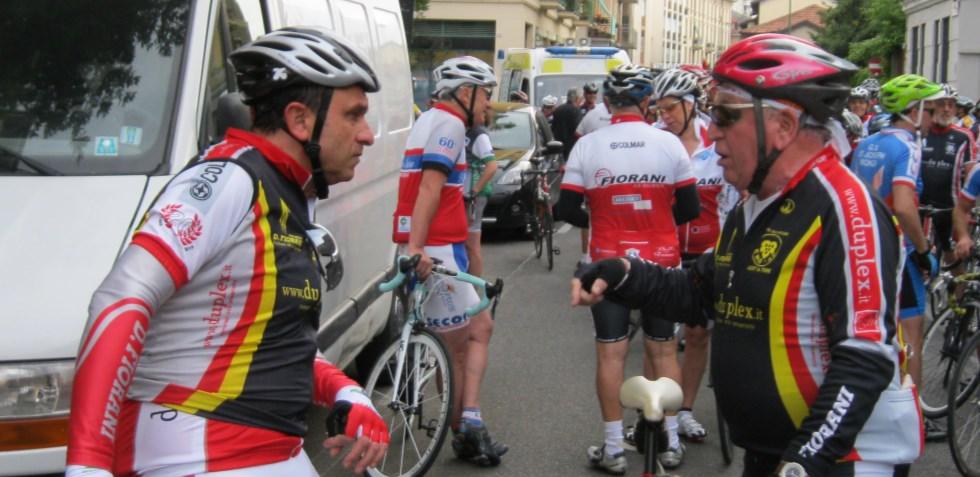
x=629 y=171
x=437 y=141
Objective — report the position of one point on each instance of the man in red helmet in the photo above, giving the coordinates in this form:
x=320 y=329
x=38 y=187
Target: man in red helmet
x=802 y=283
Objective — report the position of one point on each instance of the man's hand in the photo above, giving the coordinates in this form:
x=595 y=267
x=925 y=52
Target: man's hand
x=926 y=262
x=963 y=247
x=594 y=279
x=362 y=427
x=424 y=267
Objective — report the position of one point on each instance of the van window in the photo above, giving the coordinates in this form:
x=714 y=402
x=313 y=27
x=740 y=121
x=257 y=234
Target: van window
x=244 y=19
x=86 y=93
x=353 y=19
x=305 y=12
x=396 y=82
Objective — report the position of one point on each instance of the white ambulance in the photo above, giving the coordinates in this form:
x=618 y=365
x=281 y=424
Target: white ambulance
x=103 y=104
x=540 y=72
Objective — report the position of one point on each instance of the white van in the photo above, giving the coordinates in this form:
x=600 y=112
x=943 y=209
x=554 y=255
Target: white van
x=553 y=70
x=102 y=106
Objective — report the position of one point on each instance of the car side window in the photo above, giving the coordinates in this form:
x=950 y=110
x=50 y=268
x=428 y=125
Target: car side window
x=238 y=22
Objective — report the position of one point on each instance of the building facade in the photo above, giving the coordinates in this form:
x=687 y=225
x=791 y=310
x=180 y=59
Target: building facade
x=676 y=32
x=941 y=45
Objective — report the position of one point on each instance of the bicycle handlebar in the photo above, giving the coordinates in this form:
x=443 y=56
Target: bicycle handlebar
x=406 y=266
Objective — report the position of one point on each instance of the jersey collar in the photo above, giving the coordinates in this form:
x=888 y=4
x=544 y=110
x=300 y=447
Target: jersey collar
x=443 y=107
x=626 y=118
x=284 y=163
x=827 y=153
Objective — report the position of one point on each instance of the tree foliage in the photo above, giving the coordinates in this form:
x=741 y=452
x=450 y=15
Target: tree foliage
x=863 y=29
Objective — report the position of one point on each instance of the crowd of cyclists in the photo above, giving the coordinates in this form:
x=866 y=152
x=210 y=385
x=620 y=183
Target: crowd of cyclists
x=728 y=200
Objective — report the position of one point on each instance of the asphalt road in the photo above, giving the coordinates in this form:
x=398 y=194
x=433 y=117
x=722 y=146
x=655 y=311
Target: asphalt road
x=539 y=395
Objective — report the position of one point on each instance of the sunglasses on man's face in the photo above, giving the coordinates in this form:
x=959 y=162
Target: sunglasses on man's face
x=725 y=115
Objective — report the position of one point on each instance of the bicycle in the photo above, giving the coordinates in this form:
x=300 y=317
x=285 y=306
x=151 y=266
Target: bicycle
x=944 y=340
x=539 y=219
x=724 y=437
x=652 y=399
x=963 y=420
x=413 y=375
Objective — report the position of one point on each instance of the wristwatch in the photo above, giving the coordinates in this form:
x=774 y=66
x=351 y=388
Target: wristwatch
x=791 y=469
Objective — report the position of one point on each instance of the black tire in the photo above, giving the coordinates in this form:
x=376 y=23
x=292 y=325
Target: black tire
x=941 y=347
x=725 y=440
x=549 y=233
x=417 y=432
x=537 y=235
x=963 y=420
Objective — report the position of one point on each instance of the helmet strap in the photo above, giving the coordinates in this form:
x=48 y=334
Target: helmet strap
x=765 y=160
x=469 y=110
x=687 y=118
x=312 y=147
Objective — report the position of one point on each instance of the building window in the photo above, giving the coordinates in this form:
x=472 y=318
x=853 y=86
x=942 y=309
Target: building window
x=935 y=51
x=914 y=48
x=944 y=65
x=922 y=48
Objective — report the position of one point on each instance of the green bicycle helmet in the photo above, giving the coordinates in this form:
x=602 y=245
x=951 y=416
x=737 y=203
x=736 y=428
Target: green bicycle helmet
x=903 y=91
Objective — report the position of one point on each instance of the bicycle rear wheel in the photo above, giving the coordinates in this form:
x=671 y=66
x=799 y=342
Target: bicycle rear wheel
x=937 y=365
x=963 y=420
x=418 y=412
x=537 y=234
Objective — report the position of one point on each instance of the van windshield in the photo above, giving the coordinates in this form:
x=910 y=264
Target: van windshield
x=88 y=87
x=558 y=85
x=511 y=130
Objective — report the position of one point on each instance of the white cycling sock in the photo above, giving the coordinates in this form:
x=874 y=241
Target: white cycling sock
x=673 y=441
x=614 y=437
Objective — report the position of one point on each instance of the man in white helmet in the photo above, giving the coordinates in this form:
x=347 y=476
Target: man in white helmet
x=430 y=220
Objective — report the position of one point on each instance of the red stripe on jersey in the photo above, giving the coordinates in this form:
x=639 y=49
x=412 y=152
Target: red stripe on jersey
x=165 y=255
x=173 y=394
x=415 y=152
x=234 y=446
x=686 y=182
x=801 y=372
x=124 y=457
x=106 y=312
x=625 y=118
x=224 y=150
x=215 y=375
x=701 y=233
x=450 y=111
x=861 y=246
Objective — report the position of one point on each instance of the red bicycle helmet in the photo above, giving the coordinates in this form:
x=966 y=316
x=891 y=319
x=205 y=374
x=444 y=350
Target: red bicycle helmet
x=778 y=66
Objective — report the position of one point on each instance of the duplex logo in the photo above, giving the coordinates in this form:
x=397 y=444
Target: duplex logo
x=765 y=253
x=307 y=293
x=631 y=179
x=626 y=144
x=736 y=309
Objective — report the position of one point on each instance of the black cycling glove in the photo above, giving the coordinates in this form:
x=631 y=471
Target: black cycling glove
x=926 y=262
x=612 y=270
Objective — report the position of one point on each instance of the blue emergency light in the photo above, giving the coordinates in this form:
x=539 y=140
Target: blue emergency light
x=571 y=50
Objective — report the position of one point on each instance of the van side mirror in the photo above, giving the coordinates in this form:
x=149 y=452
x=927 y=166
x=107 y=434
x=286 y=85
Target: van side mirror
x=231 y=112
x=554 y=147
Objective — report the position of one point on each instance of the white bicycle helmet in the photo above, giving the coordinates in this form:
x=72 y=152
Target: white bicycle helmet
x=860 y=92
x=675 y=82
x=463 y=70
x=549 y=101
x=949 y=91
x=300 y=55
x=852 y=123
x=872 y=86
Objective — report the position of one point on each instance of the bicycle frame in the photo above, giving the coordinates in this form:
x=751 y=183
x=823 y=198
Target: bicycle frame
x=420 y=294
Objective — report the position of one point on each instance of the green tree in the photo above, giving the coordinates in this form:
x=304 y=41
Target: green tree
x=862 y=29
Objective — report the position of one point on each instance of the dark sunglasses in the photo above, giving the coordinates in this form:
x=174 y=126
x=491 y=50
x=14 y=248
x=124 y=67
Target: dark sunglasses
x=725 y=115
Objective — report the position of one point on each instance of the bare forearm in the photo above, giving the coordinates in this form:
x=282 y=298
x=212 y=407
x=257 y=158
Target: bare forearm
x=425 y=209
x=909 y=220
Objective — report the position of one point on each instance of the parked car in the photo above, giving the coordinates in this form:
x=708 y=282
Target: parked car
x=88 y=139
x=518 y=133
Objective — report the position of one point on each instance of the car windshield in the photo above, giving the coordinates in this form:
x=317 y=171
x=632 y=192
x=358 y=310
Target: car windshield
x=511 y=130
x=88 y=86
x=558 y=85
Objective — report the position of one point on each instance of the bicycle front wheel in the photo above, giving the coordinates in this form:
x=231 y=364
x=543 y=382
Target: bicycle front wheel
x=417 y=413
x=937 y=365
x=963 y=420
x=548 y=226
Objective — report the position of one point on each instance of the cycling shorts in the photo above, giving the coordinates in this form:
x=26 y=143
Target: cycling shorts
x=912 y=299
x=612 y=322
x=445 y=308
x=165 y=442
x=475 y=214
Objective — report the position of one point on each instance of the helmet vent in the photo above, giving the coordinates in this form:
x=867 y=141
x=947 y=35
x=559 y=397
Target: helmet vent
x=758 y=64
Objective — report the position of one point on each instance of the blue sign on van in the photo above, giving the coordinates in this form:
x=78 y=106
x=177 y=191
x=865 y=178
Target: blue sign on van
x=106 y=146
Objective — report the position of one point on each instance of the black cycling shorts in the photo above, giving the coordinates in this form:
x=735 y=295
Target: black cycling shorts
x=942 y=226
x=612 y=322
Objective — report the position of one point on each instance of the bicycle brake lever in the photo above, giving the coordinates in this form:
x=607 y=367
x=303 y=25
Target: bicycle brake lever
x=496 y=289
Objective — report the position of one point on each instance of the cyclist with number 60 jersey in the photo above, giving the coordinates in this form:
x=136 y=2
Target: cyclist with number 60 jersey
x=199 y=357
x=430 y=221
x=803 y=281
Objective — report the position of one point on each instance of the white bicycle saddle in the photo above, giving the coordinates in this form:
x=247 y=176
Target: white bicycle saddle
x=654 y=398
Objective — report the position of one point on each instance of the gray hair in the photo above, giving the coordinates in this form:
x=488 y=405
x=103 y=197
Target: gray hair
x=572 y=95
